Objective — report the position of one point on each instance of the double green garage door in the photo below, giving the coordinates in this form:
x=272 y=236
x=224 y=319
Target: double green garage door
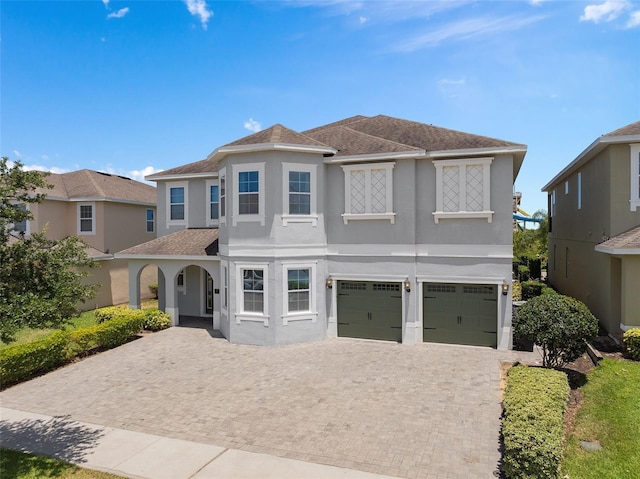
x=452 y=313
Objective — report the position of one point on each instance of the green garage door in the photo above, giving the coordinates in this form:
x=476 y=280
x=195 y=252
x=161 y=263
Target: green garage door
x=370 y=310
x=460 y=314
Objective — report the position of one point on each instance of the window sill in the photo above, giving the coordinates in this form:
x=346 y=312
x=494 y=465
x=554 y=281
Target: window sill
x=442 y=215
x=86 y=233
x=369 y=216
x=313 y=219
x=248 y=219
x=300 y=316
x=255 y=317
x=635 y=204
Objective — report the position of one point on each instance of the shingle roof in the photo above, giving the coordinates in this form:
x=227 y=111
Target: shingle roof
x=93 y=184
x=187 y=242
x=627 y=240
x=631 y=129
x=202 y=166
x=350 y=142
x=276 y=134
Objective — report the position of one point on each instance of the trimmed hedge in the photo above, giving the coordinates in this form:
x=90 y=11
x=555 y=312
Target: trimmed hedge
x=531 y=289
x=23 y=361
x=534 y=403
x=631 y=341
x=108 y=313
x=155 y=320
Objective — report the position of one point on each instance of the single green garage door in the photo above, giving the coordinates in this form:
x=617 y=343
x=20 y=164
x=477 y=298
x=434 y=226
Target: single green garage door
x=370 y=310
x=460 y=314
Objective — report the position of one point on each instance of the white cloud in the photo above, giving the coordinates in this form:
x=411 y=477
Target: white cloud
x=17 y=153
x=363 y=20
x=607 y=11
x=139 y=175
x=50 y=169
x=199 y=8
x=252 y=125
x=537 y=3
x=634 y=20
x=106 y=3
x=451 y=87
x=467 y=29
x=119 y=14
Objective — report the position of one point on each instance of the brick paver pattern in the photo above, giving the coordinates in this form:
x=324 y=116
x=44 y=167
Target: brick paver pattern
x=424 y=411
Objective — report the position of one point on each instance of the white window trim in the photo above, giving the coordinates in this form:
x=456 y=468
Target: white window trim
x=177 y=184
x=93 y=219
x=287 y=217
x=209 y=184
x=312 y=313
x=222 y=218
x=146 y=220
x=237 y=217
x=389 y=214
x=634 y=199
x=553 y=203
x=462 y=163
x=579 y=190
x=242 y=315
x=224 y=300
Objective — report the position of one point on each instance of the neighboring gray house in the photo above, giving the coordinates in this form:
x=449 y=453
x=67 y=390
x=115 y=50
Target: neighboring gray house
x=369 y=227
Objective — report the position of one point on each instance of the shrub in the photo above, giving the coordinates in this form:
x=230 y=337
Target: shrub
x=560 y=325
x=118 y=330
x=631 y=341
x=533 y=422
x=108 y=313
x=23 y=361
x=517 y=291
x=153 y=287
x=155 y=320
x=523 y=272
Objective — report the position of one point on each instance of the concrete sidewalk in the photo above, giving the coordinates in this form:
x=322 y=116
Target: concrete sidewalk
x=139 y=455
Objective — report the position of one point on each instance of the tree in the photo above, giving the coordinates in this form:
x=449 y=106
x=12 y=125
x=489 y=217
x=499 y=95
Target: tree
x=559 y=324
x=40 y=279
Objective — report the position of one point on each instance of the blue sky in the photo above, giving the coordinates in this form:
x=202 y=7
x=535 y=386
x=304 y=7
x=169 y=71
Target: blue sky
x=133 y=86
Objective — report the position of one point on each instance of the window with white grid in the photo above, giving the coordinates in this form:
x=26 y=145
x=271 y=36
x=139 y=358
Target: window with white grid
x=368 y=192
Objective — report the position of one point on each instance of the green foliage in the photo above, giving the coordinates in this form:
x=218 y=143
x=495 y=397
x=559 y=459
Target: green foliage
x=153 y=287
x=631 y=341
x=108 y=313
x=523 y=273
x=40 y=279
x=531 y=289
x=532 y=427
x=560 y=325
x=516 y=291
x=22 y=361
x=155 y=320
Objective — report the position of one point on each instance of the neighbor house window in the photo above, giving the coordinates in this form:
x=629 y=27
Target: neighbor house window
x=299 y=194
x=21 y=226
x=634 y=199
x=579 y=191
x=213 y=202
x=86 y=219
x=177 y=204
x=249 y=201
x=566 y=187
x=151 y=220
x=368 y=192
x=463 y=189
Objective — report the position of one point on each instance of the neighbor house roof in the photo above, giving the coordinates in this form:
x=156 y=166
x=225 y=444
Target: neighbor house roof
x=355 y=137
x=86 y=184
x=90 y=250
x=627 y=134
x=622 y=244
x=187 y=242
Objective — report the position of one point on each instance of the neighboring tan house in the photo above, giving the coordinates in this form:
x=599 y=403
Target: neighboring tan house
x=594 y=228
x=110 y=213
x=369 y=227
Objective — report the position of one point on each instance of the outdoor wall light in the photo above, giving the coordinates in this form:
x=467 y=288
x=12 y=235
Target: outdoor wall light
x=407 y=285
x=505 y=288
x=329 y=282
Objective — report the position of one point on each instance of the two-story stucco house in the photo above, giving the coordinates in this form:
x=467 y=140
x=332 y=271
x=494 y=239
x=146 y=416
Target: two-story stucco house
x=369 y=227
x=594 y=228
x=110 y=213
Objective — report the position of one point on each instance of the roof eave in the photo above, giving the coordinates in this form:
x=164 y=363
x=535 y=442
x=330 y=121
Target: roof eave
x=181 y=176
x=376 y=157
x=223 y=151
x=186 y=257
x=617 y=251
x=588 y=153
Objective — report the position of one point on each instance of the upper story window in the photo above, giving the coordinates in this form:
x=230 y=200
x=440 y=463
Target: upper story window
x=249 y=194
x=299 y=196
x=463 y=189
x=223 y=195
x=213 y=202
x=177 y=203
x=151 y=220
x=368 y=192
x=86 y=219
x=634 y=200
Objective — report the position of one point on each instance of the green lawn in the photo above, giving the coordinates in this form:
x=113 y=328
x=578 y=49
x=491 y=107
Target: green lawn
x=85 y=320
x=609 y=414
x=20 y=465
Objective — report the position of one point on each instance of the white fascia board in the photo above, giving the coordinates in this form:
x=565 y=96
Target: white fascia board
x=617 y=251
x=422 y=278
x=155 y=257
x=100 y=199
x=220 y=153
x=390 y=278
x=589 y=152
x=271 y=251
x=503 y=150
x=183 y=176
x=422 y=250
x=376 y=157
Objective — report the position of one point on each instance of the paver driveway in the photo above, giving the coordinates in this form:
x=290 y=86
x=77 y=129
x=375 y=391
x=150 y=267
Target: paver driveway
x=412 y=411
